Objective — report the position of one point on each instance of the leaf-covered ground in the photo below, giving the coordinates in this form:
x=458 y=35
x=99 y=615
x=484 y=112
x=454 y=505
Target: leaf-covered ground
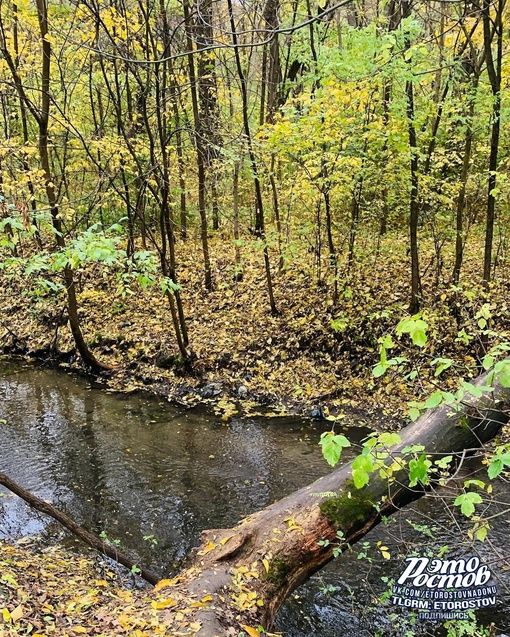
x=314 y=352
x=52 y=592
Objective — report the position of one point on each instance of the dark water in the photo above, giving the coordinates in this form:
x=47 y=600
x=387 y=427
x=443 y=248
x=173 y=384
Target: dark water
x=153 y=476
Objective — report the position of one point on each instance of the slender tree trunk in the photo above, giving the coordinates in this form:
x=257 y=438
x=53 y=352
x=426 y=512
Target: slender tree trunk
x=208 y=99
x=235 y=189
x=461 y=198
x=167 y=220
x=259 y=222
x=414 y=203
x=393 y=17
x=181 y=166
x=214 y=196
x=43 y=120
x=276 y=210
x=201 y=152
x=24 y=127
x=333 y=258
x=386 y=120
x=494 y=73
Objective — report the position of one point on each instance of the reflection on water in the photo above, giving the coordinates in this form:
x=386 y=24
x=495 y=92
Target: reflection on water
x=140 y=470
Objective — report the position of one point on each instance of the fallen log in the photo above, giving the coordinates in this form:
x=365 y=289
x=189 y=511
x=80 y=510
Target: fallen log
x=89 y=538
x=249 y=570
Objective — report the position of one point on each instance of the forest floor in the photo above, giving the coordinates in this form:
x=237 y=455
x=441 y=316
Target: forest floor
x=313 y=353
x=53 y=591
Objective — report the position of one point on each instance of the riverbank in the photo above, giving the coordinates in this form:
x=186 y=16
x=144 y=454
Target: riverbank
x=53 y=591
x=315 y=356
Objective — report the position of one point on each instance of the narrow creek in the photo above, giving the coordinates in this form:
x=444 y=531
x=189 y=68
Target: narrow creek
x=153 y=476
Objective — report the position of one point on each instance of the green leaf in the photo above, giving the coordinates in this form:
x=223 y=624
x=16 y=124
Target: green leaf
x=415 y=327
x=481 y=533
x=488 y=362
x=332 y=446
x=414 y=413
x=476 y=483
x=413 y=449
x=467 y=502
x=443 y=463
x=363 y=462
x=389 y=439
x=497 y=464
x=360 y=478
x=419 y=338
x=504 y=377
x=418 y=470
x=442 y=363
x=448 y=397
x=434 y=400
x=379 y=370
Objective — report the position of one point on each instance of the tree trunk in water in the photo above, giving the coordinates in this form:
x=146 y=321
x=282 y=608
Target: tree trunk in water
x=286 y=534
x=86 y=536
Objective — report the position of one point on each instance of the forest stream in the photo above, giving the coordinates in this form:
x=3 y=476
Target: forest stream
x=153 y=475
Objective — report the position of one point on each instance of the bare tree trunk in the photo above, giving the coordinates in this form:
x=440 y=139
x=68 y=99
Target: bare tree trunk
x=461 y=198
x=494 y=73
x=24 y=126
x=200 y=148
x=208 y=100
x=238 y=271
x=414 y=203
x=259 y=223
x=43 y=120
x=86 y=536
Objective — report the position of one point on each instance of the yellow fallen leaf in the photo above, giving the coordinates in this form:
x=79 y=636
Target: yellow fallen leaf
x=162 y=583
x=17 y=613
x=252 y=632
x=226 y=539
x=6 y=615
x=124 y=621
x=266 y=564
x=207 y=598
x=208 y=547
x=79 y=629
x=165 y=603
x=195 y=626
